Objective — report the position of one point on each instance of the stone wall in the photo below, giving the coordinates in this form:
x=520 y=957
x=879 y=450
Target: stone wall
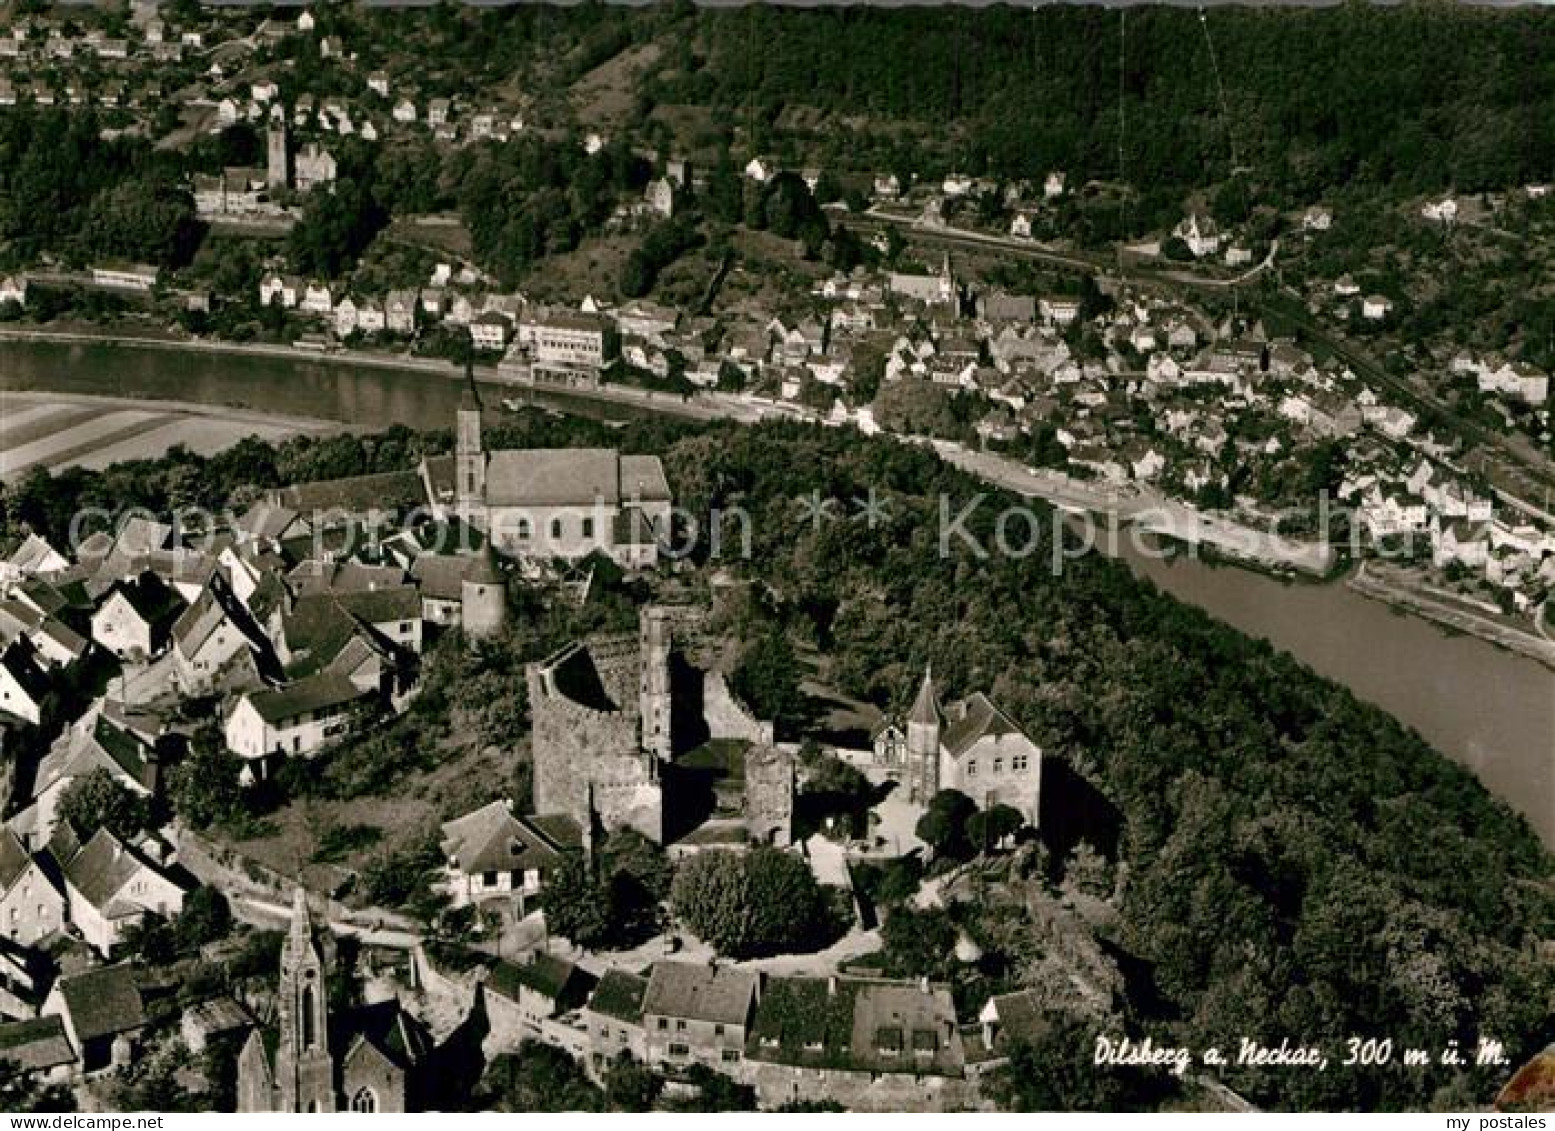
x=727 y=717
x=778 y=1084
x=584 y=705
x=769 y=795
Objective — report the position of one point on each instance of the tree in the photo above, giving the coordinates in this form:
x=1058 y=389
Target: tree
x=205 y=918
x=21 y=1092
x=575 y=906
x=988 y=829
x=714 y=1092
x=746 y=905
x=630 y=1085
x=766 y=678
x=1087 y=870
x=943 y=826
x=206 y=788
x=98 y=800
x=1056 y=1071
x=335 y=228
x=541 y=1077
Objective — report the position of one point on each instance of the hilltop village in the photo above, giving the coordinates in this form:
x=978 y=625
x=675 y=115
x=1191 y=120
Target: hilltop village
x=639 y=745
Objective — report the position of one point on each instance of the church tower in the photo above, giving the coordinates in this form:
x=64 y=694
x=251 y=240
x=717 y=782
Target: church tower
x=469 y=456
x=279 y=167
x=304 y=1066
x=923 y=731
x=656 y=638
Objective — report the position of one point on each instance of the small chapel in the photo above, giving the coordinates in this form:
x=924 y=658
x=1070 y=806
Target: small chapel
x=368 y=1058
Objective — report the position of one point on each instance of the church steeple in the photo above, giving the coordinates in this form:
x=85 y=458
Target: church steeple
x=469 y=455
x=923 y=747
x=304 y=1065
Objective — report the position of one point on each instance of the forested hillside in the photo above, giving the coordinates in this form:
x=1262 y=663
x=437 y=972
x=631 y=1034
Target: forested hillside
x=1418 y=97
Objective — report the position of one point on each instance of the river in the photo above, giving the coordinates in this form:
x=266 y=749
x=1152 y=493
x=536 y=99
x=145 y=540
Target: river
x=1492 y=711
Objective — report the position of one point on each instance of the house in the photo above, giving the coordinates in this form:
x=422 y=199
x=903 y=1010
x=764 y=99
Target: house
x=399 y=312
x=111 y=886
x=207 y=638
x=696 y=1012
x=370 y=317
x=659 y=196
x=760 y=169
x=13 y=288
x=1462 y=541
x=1317 y=219
x=135 y=620
x=298 y=719
x=404 y=111
x=263 y=90
x=378 y=83
x=1375 y=308
x=1058 y=310
x=1198 y=231
x=23 y=684
x=316 y=299
x=493 y=853
x=103 y=1015
x=40 y=1047
x=213 y=1019
x=1346 y=287
x=438 y=111
x=32 y=906
x=313 y=166
x=1443 y=211
x=866 y=1044
x=1515 y=379
x=521 y=996
x=91 y=743
x=974 y=747
x=489 y=332
x=888 y=186
x=1021 y=224
x=276 y=288
x=613 y=1018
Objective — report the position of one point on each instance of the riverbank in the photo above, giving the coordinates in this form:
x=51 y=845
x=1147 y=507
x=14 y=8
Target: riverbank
x=1148 y=511
x=700 y=407
x=1406 y=594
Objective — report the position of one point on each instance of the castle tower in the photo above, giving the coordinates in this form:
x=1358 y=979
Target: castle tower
x=483 y=597
x=469 y=456
x=304 y=1066
x=923 y=730
x=656 y=638
x=279 y=166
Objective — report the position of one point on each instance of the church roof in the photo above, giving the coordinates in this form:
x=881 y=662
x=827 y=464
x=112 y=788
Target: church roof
x=925 y=710
x=386 y=1027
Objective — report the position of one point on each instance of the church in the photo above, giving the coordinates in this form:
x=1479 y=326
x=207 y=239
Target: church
x=370 y=1058
x=550 y=502
x=970 y=746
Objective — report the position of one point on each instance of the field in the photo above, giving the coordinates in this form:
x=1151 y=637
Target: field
x=51 y=431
